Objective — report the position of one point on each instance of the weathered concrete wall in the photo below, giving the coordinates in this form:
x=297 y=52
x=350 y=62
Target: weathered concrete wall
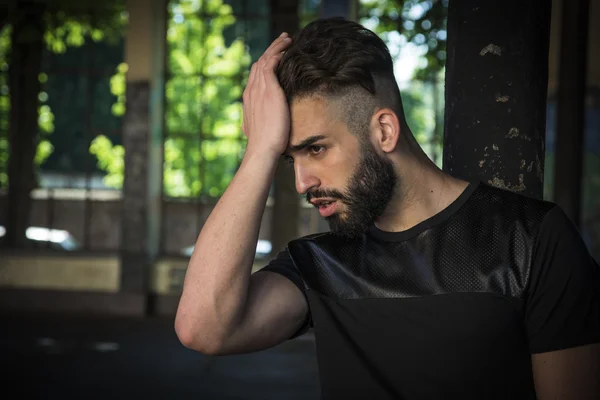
x=50 y=271
x=181 y=222
x=100 y=268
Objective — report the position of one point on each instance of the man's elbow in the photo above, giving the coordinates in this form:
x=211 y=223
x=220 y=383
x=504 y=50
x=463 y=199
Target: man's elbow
x=193 y=337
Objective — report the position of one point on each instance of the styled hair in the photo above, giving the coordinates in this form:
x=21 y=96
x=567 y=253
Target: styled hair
x=341 y=60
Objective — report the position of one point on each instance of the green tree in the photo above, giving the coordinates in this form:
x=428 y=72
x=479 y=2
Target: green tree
x=45 y=116
x=421 y=23
x=203 y=143
x=4 y=104
x=111 y=157
x=64 y=30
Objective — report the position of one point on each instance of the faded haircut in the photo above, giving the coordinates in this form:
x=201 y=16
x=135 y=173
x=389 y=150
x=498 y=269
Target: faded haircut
x=342 y=61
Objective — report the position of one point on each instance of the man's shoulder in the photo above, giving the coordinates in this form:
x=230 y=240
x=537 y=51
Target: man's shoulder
x=507 y=194
x=492 y=202
x=319 y=245
x=314 y=239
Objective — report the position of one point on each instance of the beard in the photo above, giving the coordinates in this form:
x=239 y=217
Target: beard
x=369 y=191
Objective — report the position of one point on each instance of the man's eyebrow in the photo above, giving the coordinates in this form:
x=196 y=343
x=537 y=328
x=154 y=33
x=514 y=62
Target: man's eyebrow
x=304 y=144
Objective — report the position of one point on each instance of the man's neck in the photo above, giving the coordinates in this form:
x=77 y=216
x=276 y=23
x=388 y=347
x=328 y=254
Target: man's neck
x=423 y=191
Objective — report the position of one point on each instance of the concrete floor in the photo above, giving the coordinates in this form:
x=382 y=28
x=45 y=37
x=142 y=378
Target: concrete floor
x=58 y=357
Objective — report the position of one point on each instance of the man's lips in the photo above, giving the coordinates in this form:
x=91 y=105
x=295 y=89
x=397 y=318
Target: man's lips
x=322 y=202
x=326 y=206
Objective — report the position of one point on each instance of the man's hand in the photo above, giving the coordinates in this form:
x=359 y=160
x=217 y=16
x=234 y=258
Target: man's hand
x=266 y=121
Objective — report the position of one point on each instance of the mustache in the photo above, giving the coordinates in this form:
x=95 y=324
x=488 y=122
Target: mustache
x=321 y=193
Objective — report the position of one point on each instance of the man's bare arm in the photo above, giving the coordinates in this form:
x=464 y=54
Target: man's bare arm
x=222 y=310
x=568 y=374
x=275 y=310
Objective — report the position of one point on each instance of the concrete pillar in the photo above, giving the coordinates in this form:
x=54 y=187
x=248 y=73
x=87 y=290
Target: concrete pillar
x=25 y=66
x=570 y=111
x=142 y=139
x=496 y=86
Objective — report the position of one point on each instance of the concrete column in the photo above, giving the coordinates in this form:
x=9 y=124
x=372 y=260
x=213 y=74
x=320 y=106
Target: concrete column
x=570 y=111
x=496 y=85
x=142 y=139
x=25 y=66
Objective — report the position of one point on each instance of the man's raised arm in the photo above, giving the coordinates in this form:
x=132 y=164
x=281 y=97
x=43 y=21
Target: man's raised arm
x=223 y=309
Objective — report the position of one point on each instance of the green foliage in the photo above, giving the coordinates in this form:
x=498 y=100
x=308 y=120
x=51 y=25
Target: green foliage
x=203 y=110
x=422 y=22
x=43 y=151
x=118 y=85
x=309 y=10
x=202 y=97
x=110 y=159
x=45 y=117
x=63 y=30
x=419 y=115
x=4 y=104
x=203 y=143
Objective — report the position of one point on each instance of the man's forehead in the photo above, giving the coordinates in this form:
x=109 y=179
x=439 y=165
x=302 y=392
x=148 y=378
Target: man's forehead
x=313 y=105
x=310 y=117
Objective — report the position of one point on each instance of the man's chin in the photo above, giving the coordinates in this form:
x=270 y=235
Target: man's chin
x=344 y=230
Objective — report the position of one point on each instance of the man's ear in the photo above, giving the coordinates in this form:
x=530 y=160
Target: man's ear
x=386 y=128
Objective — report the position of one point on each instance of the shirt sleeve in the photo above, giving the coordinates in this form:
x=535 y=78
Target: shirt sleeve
x=284 y=265
x=563 y=305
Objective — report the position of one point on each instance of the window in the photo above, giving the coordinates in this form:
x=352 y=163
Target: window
x=83 y=48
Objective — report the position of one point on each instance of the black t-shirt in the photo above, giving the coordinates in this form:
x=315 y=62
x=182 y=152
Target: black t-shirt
x=451 y=308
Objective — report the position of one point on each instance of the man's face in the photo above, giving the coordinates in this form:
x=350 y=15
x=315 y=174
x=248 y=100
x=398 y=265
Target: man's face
x=340 y=174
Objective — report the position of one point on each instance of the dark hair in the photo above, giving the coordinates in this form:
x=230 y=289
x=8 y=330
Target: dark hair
x=340 y=59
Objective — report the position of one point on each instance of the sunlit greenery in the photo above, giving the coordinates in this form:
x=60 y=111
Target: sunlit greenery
x=207 y=63
x=111 y=157
x=203 y=108
x=421 y=23
x=62 y=31
x=203 y=111
x=4 y=105
x=203 y=143
x=45 y=116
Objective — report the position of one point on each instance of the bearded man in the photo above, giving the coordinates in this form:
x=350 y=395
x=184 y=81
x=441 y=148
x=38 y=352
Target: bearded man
x=426 y=287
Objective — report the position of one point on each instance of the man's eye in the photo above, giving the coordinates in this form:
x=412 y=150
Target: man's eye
x=315 y=150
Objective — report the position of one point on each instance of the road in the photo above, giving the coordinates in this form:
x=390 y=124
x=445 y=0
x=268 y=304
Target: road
x=69 y=357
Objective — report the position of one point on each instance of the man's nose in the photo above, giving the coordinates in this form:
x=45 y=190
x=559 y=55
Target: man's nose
x=305 y=179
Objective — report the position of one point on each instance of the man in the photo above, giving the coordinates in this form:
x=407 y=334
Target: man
x=426 y=287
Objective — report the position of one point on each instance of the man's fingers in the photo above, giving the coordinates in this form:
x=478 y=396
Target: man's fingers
x=266 y=57
x=281 y=46
x=271 y=63
x=252 y=75
x=278 y=45
x=276 y=48
x=276 y=41
x=262 y=72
